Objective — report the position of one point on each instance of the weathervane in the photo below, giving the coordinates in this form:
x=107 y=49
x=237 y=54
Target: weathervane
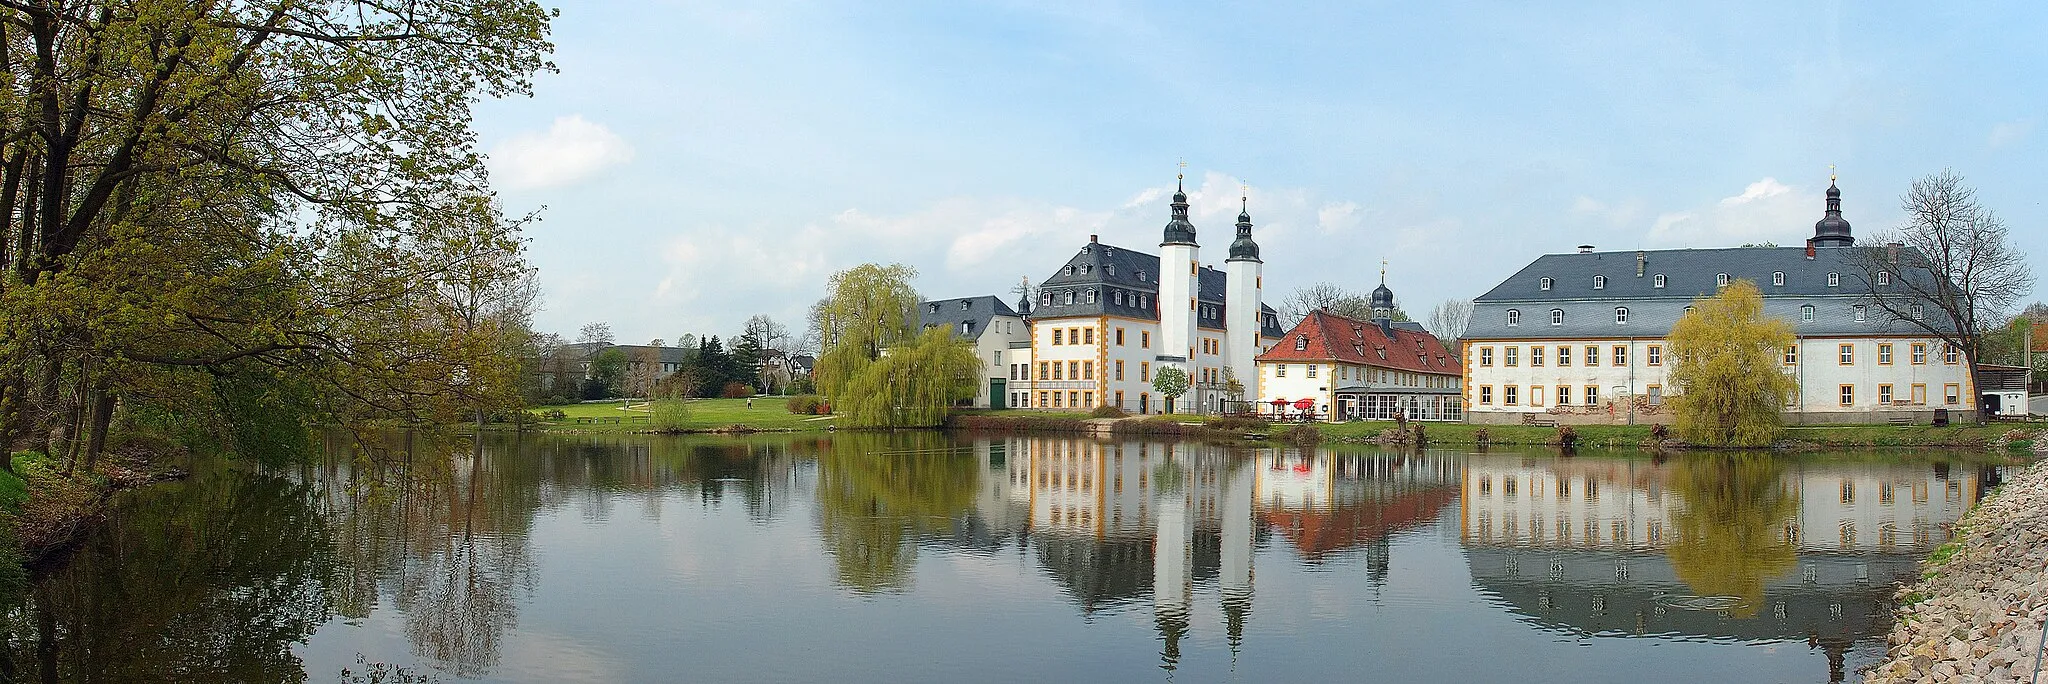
x=1831 y=173
x=1183 y=169
x=1383 y=271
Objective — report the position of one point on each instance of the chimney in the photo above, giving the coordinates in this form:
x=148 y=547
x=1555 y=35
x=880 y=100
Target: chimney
x=1091 y=238
x=1809 y=249
x=1585 y=249
x=1642 y=262
x=1892 y=251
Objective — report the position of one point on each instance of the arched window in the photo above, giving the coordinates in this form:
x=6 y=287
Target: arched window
x=1141 y=276
x=1621 y=315
x=934 y=308
x=1834 y=280
x=1557 y=316
x=1087 y=268
x=1514 y=317
x=1884 y=277
x=1806 y=313
x=1543 y=284
x=965 y=306
x=1778 y=278
x=1599 y=282
x=1720 y=280
x=1070 y=297
x=1070 y=269
x=1859 y=313
x=1657 y=281
x=1091 y=296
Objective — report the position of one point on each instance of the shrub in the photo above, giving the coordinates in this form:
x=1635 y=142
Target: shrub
x=736 y=390
x=1567 y=437
x=1660 y=432
x=1420 y=437
x=554 y=414
x=1107 y=411
x=803 y=404
x=1304 y=435
x=1240 y=424
x=1480 y=436
x=670 y=415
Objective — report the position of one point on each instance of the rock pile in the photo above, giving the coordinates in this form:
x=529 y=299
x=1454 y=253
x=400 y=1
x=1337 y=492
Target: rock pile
x=1977 y=616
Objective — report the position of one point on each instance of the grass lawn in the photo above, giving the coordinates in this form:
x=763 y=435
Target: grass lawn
x=768 y=413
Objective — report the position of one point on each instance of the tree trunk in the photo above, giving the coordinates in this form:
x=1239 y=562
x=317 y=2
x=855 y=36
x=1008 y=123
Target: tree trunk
x=102 y=419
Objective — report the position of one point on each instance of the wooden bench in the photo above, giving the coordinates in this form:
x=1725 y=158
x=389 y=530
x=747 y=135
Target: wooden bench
x=1539 y=422
x=1900 y=420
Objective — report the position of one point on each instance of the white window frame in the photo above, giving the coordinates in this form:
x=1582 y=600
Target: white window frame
x=1557 y=316
x=1621 y=315
x=1599 y=282
x=1514 y=318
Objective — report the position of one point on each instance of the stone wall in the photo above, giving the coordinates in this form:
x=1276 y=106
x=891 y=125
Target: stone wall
x=1977 y=617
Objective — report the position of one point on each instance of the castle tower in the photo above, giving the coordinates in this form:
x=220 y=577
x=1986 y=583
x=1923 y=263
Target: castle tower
x=1179 y=271
x=1382 y=298
x=1832 y=230
x=1242 y=302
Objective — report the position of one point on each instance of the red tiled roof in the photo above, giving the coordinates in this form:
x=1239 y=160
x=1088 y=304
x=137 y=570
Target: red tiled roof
x=1347 y=340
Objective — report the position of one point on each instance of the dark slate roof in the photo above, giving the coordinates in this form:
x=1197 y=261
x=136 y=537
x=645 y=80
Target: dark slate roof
x=975 y=311
x=638 y=352
x=1688 y=274
x=1108 y=270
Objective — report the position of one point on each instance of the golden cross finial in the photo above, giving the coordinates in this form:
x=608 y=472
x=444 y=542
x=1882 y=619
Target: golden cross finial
x=1183 y=169
x=1831 y=173
x=1247 y=196
x=1383 y=271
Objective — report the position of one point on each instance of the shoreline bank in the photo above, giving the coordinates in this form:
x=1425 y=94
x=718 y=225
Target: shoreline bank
x=1976 y=614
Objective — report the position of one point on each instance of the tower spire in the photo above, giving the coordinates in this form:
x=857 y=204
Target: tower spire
x=1832 y=230
x=1178 y=229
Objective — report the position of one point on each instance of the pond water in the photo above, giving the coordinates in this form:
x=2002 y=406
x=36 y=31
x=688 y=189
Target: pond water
x=945 y=558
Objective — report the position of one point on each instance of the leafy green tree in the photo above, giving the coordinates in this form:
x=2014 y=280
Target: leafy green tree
x=607 y=371
x=1726 y=363
x=876 y=369
x=257 y=188
x=1170 y=382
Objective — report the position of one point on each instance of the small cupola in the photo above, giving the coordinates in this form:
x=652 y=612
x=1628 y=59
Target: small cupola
x=1832 y=230
x=1178 y=230
x=1243 y=248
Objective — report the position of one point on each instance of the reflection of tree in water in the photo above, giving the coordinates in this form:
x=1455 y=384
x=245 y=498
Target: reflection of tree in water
x=206 y=580
x=449 y=545
x=878 y=492
x=1728 y=541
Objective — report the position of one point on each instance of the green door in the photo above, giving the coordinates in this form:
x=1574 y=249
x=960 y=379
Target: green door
x=997 y=398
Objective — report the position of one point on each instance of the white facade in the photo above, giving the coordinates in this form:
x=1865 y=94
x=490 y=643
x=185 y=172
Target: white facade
x=1606 y=378
x=1241 y=313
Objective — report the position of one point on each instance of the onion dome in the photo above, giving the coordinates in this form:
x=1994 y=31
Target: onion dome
x=1243 y=248
x=1178 y=230
x=1833 y=230
x=1382 y=298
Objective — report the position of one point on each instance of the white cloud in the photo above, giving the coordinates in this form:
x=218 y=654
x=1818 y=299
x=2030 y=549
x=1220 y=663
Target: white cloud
x=571 y=150
x=1765 y=211
x=2010 y=132
x=1760 y=190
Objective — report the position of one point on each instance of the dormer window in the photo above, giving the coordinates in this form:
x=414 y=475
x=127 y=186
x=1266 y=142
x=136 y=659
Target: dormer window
x=1045 y=298
x=1514 y=317
x=1657 y=281
x=1806 y=313
x=1916 y=312
x=1557 y=316
x=1141 y=276
x=1543 y=284
x=1070 y=269
x=964 y=306
x=1599 y=282
x=1091 y=296
x=1859 y=313
x=1834 y=280
x=1720 y=280
x=934 y=307
x=966 y=328
x=1884 y=277
x=1621 y=315
x=1301 y=343
x=1109 y=269
x=1087 y=269
x=1778 y=278
x=1070 y=297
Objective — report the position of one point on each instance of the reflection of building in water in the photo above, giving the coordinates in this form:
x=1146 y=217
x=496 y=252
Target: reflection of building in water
x=1628 y=547
x=1628 y=504
x=1112 y=520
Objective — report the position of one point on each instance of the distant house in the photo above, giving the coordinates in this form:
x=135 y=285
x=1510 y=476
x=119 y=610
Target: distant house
x=993 y=327
x=1343 y=368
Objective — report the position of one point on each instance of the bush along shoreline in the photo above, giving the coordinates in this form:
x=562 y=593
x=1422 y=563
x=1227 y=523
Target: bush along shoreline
x=1978 y=610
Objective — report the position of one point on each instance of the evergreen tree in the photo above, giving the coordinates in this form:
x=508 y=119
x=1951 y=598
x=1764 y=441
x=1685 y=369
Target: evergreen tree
x=1727 y=363
x=715 y=366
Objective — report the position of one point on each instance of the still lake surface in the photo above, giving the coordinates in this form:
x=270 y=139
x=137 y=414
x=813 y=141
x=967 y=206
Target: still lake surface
x=946 y=558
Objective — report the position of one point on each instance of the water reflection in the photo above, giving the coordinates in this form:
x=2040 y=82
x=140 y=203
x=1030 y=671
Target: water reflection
x=1207 y=552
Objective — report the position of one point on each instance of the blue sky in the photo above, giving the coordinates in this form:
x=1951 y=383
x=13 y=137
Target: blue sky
x=703 y=162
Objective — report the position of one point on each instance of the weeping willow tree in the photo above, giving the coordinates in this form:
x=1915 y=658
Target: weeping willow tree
x=877 y=369
x=1726 y=365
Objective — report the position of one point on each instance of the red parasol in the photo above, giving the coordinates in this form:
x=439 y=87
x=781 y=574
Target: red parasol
x=1305 y=404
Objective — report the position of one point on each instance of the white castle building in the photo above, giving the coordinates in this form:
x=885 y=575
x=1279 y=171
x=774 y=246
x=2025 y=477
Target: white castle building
x=1111 y=317
x=1581 y=337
